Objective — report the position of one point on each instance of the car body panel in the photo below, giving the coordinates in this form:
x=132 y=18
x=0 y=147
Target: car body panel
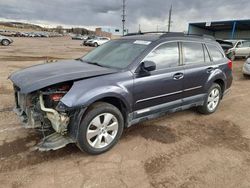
x=157 y=88
x=246 y=67
x=118 y=85
x=43 y=75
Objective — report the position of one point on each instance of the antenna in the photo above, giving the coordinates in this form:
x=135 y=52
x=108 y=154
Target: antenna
x=169 y=18
x=123 y=15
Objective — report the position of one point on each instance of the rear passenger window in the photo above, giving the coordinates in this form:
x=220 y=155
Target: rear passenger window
x=215 y=53
x=193 y=53
x=165 y=56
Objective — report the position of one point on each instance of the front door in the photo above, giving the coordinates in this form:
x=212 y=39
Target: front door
x=160 y=89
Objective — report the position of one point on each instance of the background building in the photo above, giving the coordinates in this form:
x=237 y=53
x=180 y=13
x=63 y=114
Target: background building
x=115 y=31
x=231 y=29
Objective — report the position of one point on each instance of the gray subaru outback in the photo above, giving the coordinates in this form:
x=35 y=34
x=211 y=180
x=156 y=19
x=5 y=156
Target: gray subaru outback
x=89 y=101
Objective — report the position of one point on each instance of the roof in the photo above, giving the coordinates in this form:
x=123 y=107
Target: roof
x=223 y=25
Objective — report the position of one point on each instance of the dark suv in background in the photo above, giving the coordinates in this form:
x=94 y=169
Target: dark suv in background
x=90 y=100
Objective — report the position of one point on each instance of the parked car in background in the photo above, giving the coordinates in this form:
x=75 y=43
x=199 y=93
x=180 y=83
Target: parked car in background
x=246 y=68
x=97 y=41
x=84 y=42
x=241 y=49
x=5 y=41
x=21 y=34
x=79 y=37
x=226 y=45
x=89 y=101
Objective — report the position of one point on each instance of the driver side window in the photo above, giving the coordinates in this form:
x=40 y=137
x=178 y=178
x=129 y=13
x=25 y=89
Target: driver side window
x=165 y=56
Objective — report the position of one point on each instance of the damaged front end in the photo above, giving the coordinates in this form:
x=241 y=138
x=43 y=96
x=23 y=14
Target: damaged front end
x=39 y=110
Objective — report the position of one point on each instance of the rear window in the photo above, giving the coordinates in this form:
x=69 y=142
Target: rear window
x=193 y=53
x=215 y=53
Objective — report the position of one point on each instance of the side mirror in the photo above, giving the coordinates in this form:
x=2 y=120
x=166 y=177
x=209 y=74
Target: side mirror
x=148 y=66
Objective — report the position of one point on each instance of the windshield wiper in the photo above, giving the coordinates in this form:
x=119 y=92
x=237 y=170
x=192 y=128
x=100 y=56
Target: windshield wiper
x=95 y=63
x=90 y=62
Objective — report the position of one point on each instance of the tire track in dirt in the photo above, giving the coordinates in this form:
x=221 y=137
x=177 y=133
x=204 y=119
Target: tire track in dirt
x=7 y=109
x=18 y=154
x=209 y=133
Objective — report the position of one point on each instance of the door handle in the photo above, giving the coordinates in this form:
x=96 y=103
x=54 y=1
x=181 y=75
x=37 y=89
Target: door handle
x=178 y=76
x=211 y=69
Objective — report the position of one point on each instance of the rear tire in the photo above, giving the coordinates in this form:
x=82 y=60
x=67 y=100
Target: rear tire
x=100 y=129
x=95 y=44
x=212 y=100
x=5 y=42
x=246 y=76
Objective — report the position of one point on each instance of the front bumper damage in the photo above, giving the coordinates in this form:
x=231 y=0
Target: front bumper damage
x=40 y=117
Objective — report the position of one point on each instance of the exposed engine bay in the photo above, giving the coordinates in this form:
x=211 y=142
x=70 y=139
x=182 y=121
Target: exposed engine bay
x=38 y=110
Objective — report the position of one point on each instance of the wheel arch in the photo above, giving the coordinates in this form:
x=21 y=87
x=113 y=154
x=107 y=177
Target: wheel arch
x=114 y=100
x=222 y=84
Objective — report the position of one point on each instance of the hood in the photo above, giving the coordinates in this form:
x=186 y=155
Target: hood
x=40 y=76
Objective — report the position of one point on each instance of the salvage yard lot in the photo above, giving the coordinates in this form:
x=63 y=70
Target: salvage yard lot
x=184 y=149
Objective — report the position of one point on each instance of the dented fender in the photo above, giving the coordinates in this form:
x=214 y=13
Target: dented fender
x=85 y=92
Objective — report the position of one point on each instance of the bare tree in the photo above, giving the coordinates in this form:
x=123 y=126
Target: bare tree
x=59 y=29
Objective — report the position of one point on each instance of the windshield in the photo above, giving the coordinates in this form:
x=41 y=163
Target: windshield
x=115 y=54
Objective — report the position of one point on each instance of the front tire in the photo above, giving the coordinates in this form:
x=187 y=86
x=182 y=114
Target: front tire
x=100 y=128
x=5 y=42
x=212 y=100
x=95 y=44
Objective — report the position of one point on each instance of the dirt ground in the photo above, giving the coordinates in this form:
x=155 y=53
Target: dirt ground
x=183 y=150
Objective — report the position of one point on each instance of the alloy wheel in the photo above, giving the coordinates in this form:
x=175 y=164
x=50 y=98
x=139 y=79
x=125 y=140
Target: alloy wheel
x=213 y=99
x=102 y=130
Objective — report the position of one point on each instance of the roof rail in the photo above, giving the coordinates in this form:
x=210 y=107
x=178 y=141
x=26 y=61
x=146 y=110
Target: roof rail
x=172 y=34
x=202 y=35
x=144 y=33
x=180 y=34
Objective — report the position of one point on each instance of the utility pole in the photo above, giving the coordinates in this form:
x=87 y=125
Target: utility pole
x=139 y=30
x=123 y=15
x=169 y=18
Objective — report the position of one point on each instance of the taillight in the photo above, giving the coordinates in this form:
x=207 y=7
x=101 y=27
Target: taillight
x=230 y=64
x=56 y=96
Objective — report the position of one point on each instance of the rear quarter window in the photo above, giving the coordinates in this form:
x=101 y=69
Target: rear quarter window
x=214 y=52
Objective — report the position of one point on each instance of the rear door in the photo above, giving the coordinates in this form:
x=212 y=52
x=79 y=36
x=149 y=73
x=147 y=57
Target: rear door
x=161 y=89
x=198 y=67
